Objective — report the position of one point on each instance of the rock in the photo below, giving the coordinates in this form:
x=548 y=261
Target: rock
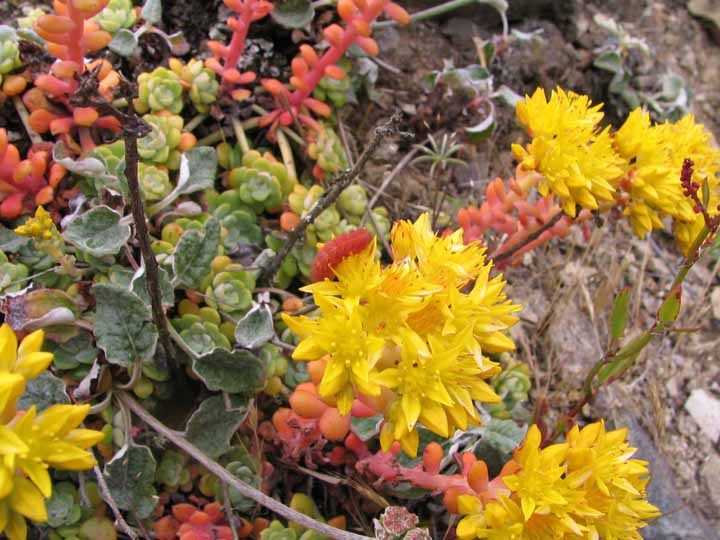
x=705 y=410
x=709 y=12
x=710 y=473
x=678 y=522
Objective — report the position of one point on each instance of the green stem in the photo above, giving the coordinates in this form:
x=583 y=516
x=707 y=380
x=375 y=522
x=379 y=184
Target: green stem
x=287 y=155
x=240 y=135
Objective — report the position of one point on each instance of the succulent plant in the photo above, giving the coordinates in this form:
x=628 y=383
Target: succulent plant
x=12 y=276
x=229 y=155
x=230 y=291
x=278 y=531
x=512 y=384
x=31 y=15
x=9 y=51
x=202 y=83
x=237 y=499
x=116 y=15
x=159 y=90
x=160 y=145
x=353 y=201
x=172 y=471
x=261 y=183
x=334 y=90
x=200 y=335
x=154 y=182
x=113 y=156
x=327 y=150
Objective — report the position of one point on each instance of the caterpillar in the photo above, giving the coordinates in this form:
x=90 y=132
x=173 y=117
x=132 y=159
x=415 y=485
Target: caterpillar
x=336 y=250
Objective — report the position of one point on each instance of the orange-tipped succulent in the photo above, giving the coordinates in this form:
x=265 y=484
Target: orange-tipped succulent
x=308 y=68
x=72 y=33
x=28 y=183
x=225 y=57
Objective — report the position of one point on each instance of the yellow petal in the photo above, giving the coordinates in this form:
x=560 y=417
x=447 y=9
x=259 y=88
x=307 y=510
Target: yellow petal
x=10 y=443
x=6 y=481
x=84 y=438
x=37 y=472
x=33 y=364
x=8 y=348
x=27 y=500
x=32 y=343
x=16 y=528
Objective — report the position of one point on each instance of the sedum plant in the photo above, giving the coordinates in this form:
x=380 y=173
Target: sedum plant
x=118 y=14
x=160 y=90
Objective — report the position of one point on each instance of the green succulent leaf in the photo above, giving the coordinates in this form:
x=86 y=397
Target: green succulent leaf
x=235 y=372
x=194 y=253
x=211 y=427
x=98 y=232
x=123 y=325
x=130 y=475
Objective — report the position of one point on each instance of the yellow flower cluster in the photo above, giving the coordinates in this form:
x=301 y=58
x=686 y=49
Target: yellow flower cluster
x=637 y=167
x=39 y=227
x=588 y=487
x=30 y=443
x=410 y=334
x=575 y=157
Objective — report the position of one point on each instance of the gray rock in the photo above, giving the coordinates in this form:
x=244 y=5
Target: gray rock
x=679 y=522
x=710 y=473
x=705 y=410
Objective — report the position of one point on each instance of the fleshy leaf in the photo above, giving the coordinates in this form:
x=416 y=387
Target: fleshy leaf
x=194 y=253
x=123 y=325
x=123 y=43
x=130 y=475
x=212 y=425
x=98 y=232
x=293 y=14
x=43 y=391
x=255 y=328
x=235 y=372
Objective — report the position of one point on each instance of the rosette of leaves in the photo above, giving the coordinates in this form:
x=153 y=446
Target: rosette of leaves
x=12 y=276
x=154 y=182
x=229 y=155
x=513 y=385
x=31 y=15
x=333 y=90
x=113 y=157
x=160 y=145
x=201 y=335
x=9 y=51
x=278 y=531
x=381 y=217
x=327 y=150
x=201 y=83
x=70 y=519
x=288 y=268
x=159 y=90
x=38 y=263
x=245 y=473
x=116 y=15
x=230 y=291
x=302 y=198
x=261 y=183
x=172 y=471
x=325 y=227
x=239 y=222
x=352 y=202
